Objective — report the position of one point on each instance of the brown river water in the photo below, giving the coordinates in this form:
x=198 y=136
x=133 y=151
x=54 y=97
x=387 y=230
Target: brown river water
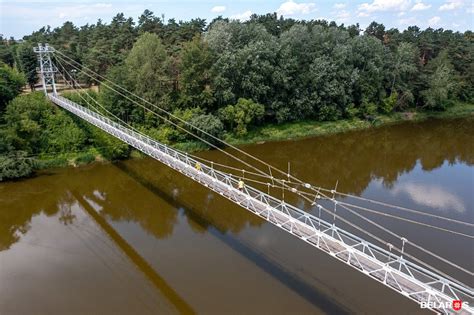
x=135 y=237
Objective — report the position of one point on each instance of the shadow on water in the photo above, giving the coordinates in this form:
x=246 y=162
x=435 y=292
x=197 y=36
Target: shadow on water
x=265 y=263
x=181 y=305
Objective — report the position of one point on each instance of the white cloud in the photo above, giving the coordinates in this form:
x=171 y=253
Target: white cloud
x=25 y=17
x=420 y=6
x=339 y=6
x=82 y=10
x=451 y=5
x=218 y=9
x=385 y=5
x=434 y=21
x=401 y=13
x=407 y=21
x=342 y=15
x=431 y=196
x=363 y=14
x=290 y=8
x=242 y=16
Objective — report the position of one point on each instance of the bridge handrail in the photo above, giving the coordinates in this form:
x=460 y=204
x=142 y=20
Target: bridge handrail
x=430 y=278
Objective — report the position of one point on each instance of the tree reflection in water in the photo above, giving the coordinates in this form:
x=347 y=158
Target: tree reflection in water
x=149 y=193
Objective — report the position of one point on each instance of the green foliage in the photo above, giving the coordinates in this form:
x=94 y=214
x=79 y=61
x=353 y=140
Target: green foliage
x=15 y=165
x=195 y=75
x=35 y=126
x=239 y=116
x=11 y=83
x=388 y=103
x=85 y=158
x=148 y=69
x=62 y=134
x=352 y=111
x=207 y=126
x=26 y=117
x=27 y=63
x=268 y=68
x=440 y=83
x=6 y=51
x=367 y=109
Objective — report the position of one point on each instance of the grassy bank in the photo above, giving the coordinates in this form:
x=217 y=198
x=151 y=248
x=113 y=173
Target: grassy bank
x=294 y=130
x=305 y=129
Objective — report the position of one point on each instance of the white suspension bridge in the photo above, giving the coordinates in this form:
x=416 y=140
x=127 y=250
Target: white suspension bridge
x=391 y=265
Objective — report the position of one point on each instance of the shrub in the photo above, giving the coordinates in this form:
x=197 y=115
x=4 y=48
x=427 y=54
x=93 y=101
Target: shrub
x=15 y=165
x=210 y=125
x=239 y=116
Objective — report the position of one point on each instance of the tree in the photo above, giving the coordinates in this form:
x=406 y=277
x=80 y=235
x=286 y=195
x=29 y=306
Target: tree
x=441 y=83
x=401 y=72
x=27 y=63
x=6 y=54
x=35 y=126
x=25 y=118
x=206 y=125
x=148 y=23
x=368 y=62
x=148 y=70
x=195 y=74
x=11 y=84
x=15 y=165
x=375 y=29
x=239 y=116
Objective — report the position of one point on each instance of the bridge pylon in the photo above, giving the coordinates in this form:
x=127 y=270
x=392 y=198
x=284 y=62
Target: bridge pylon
x=46 y=67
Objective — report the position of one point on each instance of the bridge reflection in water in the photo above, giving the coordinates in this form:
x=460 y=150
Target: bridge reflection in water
x=173 y=222
x=404 y=276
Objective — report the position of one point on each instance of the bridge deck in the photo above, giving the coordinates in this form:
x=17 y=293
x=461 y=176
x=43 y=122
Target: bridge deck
x=405 y=277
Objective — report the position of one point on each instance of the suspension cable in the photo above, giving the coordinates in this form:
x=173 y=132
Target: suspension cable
x=401 y=208
x=253 y=157
x=176 y=117
x=173 y=123
x=245 y=153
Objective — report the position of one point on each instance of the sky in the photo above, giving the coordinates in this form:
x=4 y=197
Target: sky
x=22 y=17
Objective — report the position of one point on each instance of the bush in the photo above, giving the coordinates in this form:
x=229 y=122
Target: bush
x=389 y=103
x=11 y=83
x=367 y=109
x=85 y=158
x=15 y=165
x=209 y=124
x=239 y=116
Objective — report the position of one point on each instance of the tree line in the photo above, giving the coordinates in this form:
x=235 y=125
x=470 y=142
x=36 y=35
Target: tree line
x=229 y=76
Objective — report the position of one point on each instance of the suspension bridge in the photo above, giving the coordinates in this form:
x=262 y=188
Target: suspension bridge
x=387 y=263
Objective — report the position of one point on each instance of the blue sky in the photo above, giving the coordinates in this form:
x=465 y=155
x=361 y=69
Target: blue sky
x=21 y=17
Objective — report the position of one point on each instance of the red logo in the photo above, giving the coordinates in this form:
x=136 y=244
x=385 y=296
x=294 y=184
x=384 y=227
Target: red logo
x=457 y=305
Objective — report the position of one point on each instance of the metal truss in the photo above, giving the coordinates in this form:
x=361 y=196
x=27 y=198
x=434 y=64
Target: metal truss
x=47 y=69
x=409 y=279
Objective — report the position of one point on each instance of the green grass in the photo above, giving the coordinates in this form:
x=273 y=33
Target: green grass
x=457 y=110
x=309 y=128
x=273 y=132
x=75 y=159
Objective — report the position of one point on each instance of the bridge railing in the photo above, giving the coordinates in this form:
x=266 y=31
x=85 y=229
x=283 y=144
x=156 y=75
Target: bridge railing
x=412 y=280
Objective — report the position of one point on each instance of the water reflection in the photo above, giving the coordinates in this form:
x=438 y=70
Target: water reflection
x=433 y=196
x=357 y=158
x=428 y=165
x=353 y=159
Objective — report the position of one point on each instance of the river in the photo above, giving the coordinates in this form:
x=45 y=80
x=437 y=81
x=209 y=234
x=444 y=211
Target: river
x=163 y=244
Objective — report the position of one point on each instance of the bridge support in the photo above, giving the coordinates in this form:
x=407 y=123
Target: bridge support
x=47 y=69
x=424 y=286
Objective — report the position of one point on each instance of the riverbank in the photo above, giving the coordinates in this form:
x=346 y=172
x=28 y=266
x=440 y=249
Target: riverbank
x=268 y=133
x=306 y=129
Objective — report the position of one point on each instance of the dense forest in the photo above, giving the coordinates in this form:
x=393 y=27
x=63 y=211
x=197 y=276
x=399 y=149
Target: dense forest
x=227 y=77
